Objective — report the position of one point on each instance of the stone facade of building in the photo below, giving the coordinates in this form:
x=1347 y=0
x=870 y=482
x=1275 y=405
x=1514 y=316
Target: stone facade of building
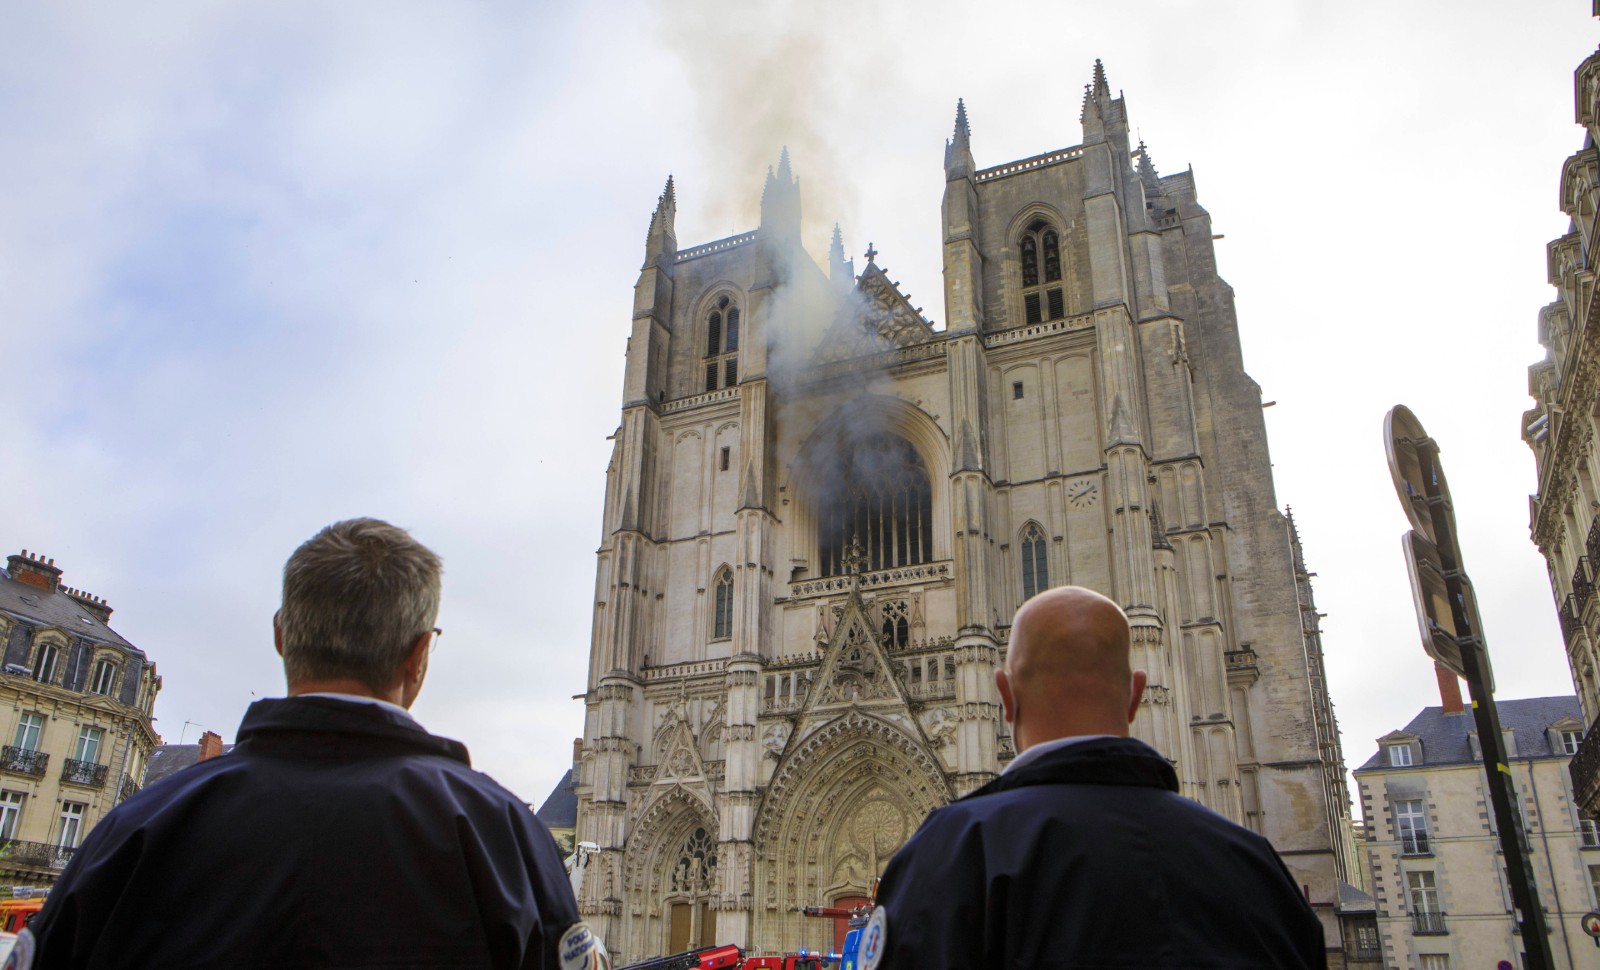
x=1435 y=868
x=822 y=511
x=75 y=703
x=1561 y=426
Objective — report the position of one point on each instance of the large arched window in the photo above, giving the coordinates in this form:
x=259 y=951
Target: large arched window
x=876 y=507
x=722 y=344
x=1035 y=566
x=722 y=609
x=1040 y=246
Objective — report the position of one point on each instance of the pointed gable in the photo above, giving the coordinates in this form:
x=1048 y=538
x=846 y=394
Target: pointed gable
x=854 y=668
x=879 y=318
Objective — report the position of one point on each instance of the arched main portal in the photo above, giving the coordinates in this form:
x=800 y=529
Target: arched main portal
x=839 y=806
x=672 y=881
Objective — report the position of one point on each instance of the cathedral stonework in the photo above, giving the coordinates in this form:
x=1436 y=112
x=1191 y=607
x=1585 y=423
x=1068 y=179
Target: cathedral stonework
x=822 y=511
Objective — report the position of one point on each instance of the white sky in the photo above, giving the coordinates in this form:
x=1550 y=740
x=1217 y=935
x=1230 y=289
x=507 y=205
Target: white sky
x=267 y=266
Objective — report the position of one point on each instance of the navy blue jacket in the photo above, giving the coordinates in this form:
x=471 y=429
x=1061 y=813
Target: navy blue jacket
x=336 y=834
x=1088 y=857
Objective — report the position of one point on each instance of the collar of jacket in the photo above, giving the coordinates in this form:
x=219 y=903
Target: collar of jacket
x=1103 y=761
x=270 y=720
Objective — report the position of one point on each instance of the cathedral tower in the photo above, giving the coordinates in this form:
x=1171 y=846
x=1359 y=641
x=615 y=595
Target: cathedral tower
x=822 y=511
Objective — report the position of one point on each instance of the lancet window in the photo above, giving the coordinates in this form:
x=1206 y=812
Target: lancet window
x=722 y=344
x=1035 y=564
x=876 y=511
x=1040 y=247
x=722 y=606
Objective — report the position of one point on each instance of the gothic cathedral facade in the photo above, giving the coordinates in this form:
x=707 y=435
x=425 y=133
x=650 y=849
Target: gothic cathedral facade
x=821 y=513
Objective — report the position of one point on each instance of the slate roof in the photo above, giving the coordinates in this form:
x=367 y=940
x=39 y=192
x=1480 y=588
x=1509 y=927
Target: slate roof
x=560 y=809
x=57 y=609
x=1352 y=899
x=1445 y=736
x=169 y=759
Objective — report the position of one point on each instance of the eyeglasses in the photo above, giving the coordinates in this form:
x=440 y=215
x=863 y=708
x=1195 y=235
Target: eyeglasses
x=438 y=632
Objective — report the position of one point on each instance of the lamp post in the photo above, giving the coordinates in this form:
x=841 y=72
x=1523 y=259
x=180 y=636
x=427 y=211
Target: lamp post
x=1447 y=615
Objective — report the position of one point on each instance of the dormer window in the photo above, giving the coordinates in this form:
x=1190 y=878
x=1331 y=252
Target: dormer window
x=105 y=677
x=1041 y=267
x=722 y=345
x=1399 y=755
x=44 y=665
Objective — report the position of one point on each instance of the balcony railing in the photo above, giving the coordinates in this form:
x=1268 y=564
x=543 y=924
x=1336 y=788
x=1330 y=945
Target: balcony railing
x=1424 y=924
x=1415 y=844
x=1568 y=615
x=39 y=855
x=23 y=761
x=1585 y=771
x=85 y=773
x=129 y=789
x=1593 y=543
x=1582 y=585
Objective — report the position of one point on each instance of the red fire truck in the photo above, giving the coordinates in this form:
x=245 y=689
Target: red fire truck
x=730 y=957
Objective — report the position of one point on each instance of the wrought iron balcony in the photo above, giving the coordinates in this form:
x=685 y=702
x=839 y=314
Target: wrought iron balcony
x=1585 y=771
x=23 y=761
x=1415 y=844
x=38 y=855
x=129 y=789
x=85 y=773
x=1593 y=542
x=1568 y=616
x=1424 y=924
x=1582 y=585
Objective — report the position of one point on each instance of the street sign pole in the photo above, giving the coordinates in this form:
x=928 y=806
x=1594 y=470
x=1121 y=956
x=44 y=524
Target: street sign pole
x=1425 y=495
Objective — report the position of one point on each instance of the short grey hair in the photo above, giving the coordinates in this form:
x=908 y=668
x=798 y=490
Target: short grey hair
x=355 y=598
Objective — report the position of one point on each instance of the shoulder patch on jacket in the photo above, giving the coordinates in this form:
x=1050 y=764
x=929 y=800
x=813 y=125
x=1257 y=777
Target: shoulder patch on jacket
x=580 y=949
x=874 y=938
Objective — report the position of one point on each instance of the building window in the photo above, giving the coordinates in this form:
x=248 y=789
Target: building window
x=71 y=824
x=1016 y=390
x=1035 y=567
x=1399 y=755
x=1433 y=961
x=1426 y=916
x=44 y=665
x=1570 y=741
x=1594 y=885
x=875 y=510
x=105 y=677
x=1411 y=822
x=88 y=747
x=725 y=458
x=1590 y=830
x=722 y=345
x=10 y=813
x=29 y=727
x=1041 y=266
x=722 y=618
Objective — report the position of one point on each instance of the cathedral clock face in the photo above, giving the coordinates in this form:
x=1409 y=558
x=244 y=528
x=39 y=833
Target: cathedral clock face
x=1082 y=493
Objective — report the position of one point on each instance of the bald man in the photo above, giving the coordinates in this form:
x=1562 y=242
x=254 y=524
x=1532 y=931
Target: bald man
x=1082 y=853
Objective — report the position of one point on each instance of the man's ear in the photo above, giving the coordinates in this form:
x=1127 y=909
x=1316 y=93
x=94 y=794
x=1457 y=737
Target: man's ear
x=1139 y=680
x=1008 y=701
x=416 y=664
x=277 y=633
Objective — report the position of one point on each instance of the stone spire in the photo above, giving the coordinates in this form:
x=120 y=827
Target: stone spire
x=780 y=200
x=662 y=239
x=1147 y=171
x=958 y=150
x=841 y=271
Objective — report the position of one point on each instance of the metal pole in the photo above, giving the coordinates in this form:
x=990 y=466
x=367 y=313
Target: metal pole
x=1501 y=783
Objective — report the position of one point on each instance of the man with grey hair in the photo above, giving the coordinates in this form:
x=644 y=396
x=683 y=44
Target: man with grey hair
x=338 y=832
x=1082 y=853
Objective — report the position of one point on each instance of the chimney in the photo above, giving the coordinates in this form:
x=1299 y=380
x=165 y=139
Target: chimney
x=1449 y=689
x=34 y=570
x=96 y=606
x=210 y=745
x=577 y=751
